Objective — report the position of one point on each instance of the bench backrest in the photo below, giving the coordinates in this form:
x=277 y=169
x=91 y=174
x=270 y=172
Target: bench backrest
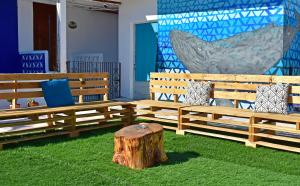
x=17 y=86
x=225 y=86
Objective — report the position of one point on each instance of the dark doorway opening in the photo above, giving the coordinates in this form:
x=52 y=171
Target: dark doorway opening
x=45 y=31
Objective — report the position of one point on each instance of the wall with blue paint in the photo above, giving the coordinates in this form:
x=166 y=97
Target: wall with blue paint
x=223 y=30
x=9 y=57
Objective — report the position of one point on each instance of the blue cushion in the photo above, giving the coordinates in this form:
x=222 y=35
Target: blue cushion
x=57 y=93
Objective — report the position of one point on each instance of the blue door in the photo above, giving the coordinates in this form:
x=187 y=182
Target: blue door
x=145 y=50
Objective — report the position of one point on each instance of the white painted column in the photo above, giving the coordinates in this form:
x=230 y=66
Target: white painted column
x=62 y=34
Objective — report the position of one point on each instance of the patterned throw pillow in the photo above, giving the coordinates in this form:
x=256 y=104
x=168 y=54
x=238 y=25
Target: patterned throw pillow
x=272 y=98
x=198 y=93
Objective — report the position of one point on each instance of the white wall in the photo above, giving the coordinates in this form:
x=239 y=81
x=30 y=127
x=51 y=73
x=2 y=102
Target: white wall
x=130 y=13
x=96 y=32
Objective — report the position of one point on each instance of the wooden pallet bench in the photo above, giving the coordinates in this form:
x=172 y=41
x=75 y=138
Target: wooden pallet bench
x=224 y=121
x=24 y=124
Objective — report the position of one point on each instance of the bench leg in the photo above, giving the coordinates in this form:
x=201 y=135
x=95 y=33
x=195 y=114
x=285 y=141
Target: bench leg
x=1 y=146
x=104 y=112
x=73 y=133
x=250 y=144
x=252 y=138
x=50 y=123
x=181 y=128
x=180 y=132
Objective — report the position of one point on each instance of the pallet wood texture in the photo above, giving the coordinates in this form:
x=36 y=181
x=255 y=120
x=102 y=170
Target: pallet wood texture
x=217 y=121
x=273 y=133
x=154 y=111
x=39 y=122
x=139 y=146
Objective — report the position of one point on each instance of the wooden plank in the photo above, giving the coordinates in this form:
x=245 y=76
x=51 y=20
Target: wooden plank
x=277 y=146
x=222 y=121
x=93 y=91
x=278 y=117
x=162 y=113
x=282 y=138
x=44 y=111
x=214 y=77
x=157 y=119
x=37 y=85
x=11 y=77
x=286 y=79
x=217 y=85
x=36 y=94
x=23 y=123
x=99 y=114
x=95 y=127
x=33 y=130
x=216 y=135
x=88 y=84
x=168 y=83
x=93 y=121
x=217 y=128
x=225 y=111
x=159 y=104
x=276 y=128
x=167 y=90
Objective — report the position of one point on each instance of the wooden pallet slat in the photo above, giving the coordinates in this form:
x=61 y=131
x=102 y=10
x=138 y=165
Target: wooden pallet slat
x=223 y=129
x=223 y=121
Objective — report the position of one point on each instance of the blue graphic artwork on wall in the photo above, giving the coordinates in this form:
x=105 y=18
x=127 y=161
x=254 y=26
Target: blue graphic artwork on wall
x=34 y=61
x=229 y=36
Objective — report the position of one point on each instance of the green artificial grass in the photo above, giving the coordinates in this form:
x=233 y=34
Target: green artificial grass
x=193 y=160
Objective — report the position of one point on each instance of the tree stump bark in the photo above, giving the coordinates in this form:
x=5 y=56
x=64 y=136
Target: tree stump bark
x=139 y=146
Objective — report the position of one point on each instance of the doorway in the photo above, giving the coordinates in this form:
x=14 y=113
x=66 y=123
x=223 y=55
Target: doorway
x=45 y=31
x=146 y=45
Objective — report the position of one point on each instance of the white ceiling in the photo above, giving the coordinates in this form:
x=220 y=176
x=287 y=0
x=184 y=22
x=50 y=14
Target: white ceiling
x=97 y=5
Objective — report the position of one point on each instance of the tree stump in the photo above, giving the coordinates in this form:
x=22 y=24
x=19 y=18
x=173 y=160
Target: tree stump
x=139 y=146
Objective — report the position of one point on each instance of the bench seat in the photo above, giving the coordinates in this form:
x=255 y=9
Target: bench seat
x=44 y=110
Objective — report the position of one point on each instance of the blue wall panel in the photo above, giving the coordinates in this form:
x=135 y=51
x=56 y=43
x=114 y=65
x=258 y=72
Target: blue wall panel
x=9 y=57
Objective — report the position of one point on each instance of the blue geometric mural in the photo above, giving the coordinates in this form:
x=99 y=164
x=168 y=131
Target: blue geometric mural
x=218 y=36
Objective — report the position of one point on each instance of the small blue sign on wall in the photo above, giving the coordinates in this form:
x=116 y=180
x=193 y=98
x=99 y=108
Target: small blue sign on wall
x=34 y=62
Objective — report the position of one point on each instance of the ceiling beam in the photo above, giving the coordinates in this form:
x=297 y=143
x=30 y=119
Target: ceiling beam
x=109 y=1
